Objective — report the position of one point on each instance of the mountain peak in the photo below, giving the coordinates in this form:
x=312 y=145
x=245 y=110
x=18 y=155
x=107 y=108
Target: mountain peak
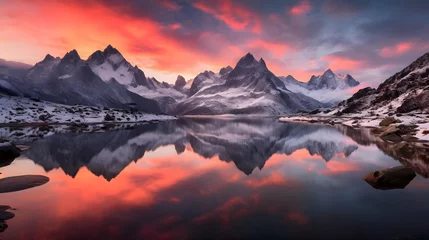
x=48 y=57
x=109 y=50
x=72 y=55
x=328 y=72
x=248 y=59
x=261 y=61
x=180 y=82
x=225 y=70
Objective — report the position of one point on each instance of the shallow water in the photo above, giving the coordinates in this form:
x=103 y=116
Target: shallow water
x=212 y=179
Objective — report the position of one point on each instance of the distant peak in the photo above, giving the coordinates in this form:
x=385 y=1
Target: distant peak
x=249 y=56
x=225 y=70
x=110 y=50
x=72 y=55
x=261 y=61
x=247 y=60
x=48 y=57
x=329 y=71
x=180 y=81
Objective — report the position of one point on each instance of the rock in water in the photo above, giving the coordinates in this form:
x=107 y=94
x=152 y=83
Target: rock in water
x=8 y=152
x=3 y=226
x=18 y=183
x=6 y=215
x=390 y=178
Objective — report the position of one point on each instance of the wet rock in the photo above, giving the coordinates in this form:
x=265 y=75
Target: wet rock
x=4 y=208
x=6 y=215
x=3 y=226
x=407 y=129
x=391 y=134
x=8 y=152
x=18 y=183
x=387 y=121
x=391 y=178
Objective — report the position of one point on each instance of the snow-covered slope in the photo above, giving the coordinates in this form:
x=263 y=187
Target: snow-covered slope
x=24 y=110
x=111 y=65
x=250 y=88
x=406 y=91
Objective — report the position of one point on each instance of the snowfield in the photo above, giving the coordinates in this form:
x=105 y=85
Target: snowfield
x=18 y=110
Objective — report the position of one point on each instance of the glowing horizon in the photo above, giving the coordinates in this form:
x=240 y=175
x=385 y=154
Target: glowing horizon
x=169 y=38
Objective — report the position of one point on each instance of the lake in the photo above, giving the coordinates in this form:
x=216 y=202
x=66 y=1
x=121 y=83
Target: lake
x=213 y=178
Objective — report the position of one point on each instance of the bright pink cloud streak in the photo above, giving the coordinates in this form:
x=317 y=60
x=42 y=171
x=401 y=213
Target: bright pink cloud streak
x=301 y=8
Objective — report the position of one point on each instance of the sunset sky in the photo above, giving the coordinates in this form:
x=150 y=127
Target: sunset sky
x=369 y=39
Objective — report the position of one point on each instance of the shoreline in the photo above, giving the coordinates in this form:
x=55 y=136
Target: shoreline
x=418 y=126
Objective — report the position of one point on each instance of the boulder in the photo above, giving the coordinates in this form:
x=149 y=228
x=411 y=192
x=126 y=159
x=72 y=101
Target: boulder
x=18 y=183
x=109 y=118
x=391 y=134
x=390 y=178
x=8 y=152
x=387 y=121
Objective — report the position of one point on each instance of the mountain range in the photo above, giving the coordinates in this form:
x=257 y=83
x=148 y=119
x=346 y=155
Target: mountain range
x=107 y=79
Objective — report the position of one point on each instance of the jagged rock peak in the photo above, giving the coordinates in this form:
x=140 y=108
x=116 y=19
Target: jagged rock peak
x=72 y=55
x=246 y=60
x=180 y=81
x=109 y=50
x=225 y=70
x=328 y=72
x=261 y=61
x=48 y=57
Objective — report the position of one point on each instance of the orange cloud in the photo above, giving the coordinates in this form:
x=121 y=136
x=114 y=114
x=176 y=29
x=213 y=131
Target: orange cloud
x=301 y=8
x=396 y=50
x=91 y=26
x=234 y=15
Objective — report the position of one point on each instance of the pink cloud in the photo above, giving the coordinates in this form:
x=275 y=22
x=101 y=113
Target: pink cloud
x=301 y=8
x=232 y=14
x=340 y=63
x=396 y=50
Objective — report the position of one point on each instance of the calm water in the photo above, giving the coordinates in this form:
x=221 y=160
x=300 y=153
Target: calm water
x=212 y=179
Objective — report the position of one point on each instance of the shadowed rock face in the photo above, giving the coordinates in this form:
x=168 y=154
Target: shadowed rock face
x=391 y=178
x=248 y=143
x=411 y=83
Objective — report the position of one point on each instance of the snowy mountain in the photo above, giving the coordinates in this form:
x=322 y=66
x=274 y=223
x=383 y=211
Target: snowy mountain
x=250 y=88
x=330 y=80
x=70 y=80
x=405 y=91
x=111 y=65
x=329 y=88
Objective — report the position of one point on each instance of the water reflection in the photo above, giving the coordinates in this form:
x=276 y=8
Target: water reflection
x=247 y=143
x=188 y=180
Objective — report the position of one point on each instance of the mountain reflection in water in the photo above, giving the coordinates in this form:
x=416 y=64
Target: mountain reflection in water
x=214 y=179
x=247 y=143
